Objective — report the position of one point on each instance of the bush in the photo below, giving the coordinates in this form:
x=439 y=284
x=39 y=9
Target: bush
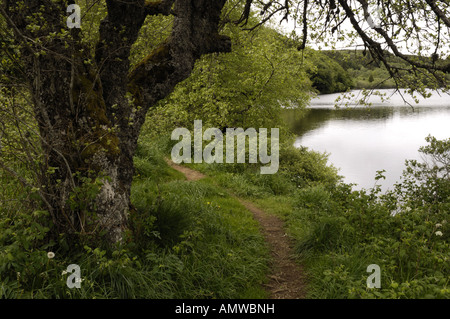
x=404 y=231
x=305 y=167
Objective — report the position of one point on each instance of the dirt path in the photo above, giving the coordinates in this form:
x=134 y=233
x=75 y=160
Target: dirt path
x=286 y=280
x=190 y=174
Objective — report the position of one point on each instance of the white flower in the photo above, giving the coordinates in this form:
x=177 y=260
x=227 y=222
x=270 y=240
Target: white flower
x=50 y=255
x=408 y=209
x=438 y=233
x=438 y=225
x=64 y=273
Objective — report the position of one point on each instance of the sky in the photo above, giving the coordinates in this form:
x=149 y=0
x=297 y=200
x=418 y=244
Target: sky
x=403 y=46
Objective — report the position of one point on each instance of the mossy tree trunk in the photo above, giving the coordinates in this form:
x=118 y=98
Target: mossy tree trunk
x=90 y=106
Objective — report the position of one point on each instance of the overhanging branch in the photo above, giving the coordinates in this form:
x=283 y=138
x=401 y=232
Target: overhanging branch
x=159 y=7
x=375 y=47
x=438 y=12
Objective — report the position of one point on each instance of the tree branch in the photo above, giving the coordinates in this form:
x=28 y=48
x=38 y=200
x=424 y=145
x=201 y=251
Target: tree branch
x=195 y=32
x=305 y=25
x=158 y=7
x=438 y=12
x=375 y=47
x=246 y=13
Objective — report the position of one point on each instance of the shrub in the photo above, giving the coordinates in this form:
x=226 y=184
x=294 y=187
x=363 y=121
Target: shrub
x=404 y=231
x=306 y=167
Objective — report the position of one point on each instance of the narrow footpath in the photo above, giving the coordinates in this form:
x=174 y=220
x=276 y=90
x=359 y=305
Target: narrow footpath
x=286 y=278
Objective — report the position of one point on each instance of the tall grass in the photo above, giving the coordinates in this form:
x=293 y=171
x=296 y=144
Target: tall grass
x=185 y=240
x=339 y=232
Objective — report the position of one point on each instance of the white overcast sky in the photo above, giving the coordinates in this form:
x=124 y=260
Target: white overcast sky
x=406 y=48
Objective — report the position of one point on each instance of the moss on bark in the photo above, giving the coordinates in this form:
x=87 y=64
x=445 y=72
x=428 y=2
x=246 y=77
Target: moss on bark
x=99 y=136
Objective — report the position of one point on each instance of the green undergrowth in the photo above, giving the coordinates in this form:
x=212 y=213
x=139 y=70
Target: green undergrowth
x=185 y=240
x=339 y=231
x=193 y=240
x=215 y=237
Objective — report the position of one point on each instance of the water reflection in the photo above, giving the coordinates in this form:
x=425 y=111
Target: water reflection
x=318 y=117
x=362 y=140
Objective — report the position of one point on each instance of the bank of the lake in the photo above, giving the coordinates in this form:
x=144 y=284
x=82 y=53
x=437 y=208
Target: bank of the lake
x=339 y=231
x=362 y=140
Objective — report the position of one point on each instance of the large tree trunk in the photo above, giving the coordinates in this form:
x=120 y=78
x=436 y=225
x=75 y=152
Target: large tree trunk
x=79 y=142
x=88 y=126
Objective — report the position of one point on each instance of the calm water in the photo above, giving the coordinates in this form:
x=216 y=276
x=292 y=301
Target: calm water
x=362 y=140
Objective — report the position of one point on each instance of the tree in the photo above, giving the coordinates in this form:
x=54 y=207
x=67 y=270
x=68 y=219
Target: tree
x=327 y=75
x=89 y=104
x=417 y=32
x=245 y=88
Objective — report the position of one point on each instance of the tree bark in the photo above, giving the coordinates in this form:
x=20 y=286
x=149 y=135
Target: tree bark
x=88 y=123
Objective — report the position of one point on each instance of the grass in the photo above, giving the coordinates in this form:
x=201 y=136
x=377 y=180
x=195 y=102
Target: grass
x=211 y=244
x=193 y=240
x=216 y=239
x=339 y=232
x=186 y=240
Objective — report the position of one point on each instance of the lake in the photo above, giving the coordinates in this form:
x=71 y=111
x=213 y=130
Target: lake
x=362 y=140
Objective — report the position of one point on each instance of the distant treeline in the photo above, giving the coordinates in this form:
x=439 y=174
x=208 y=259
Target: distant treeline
x=338 y=71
